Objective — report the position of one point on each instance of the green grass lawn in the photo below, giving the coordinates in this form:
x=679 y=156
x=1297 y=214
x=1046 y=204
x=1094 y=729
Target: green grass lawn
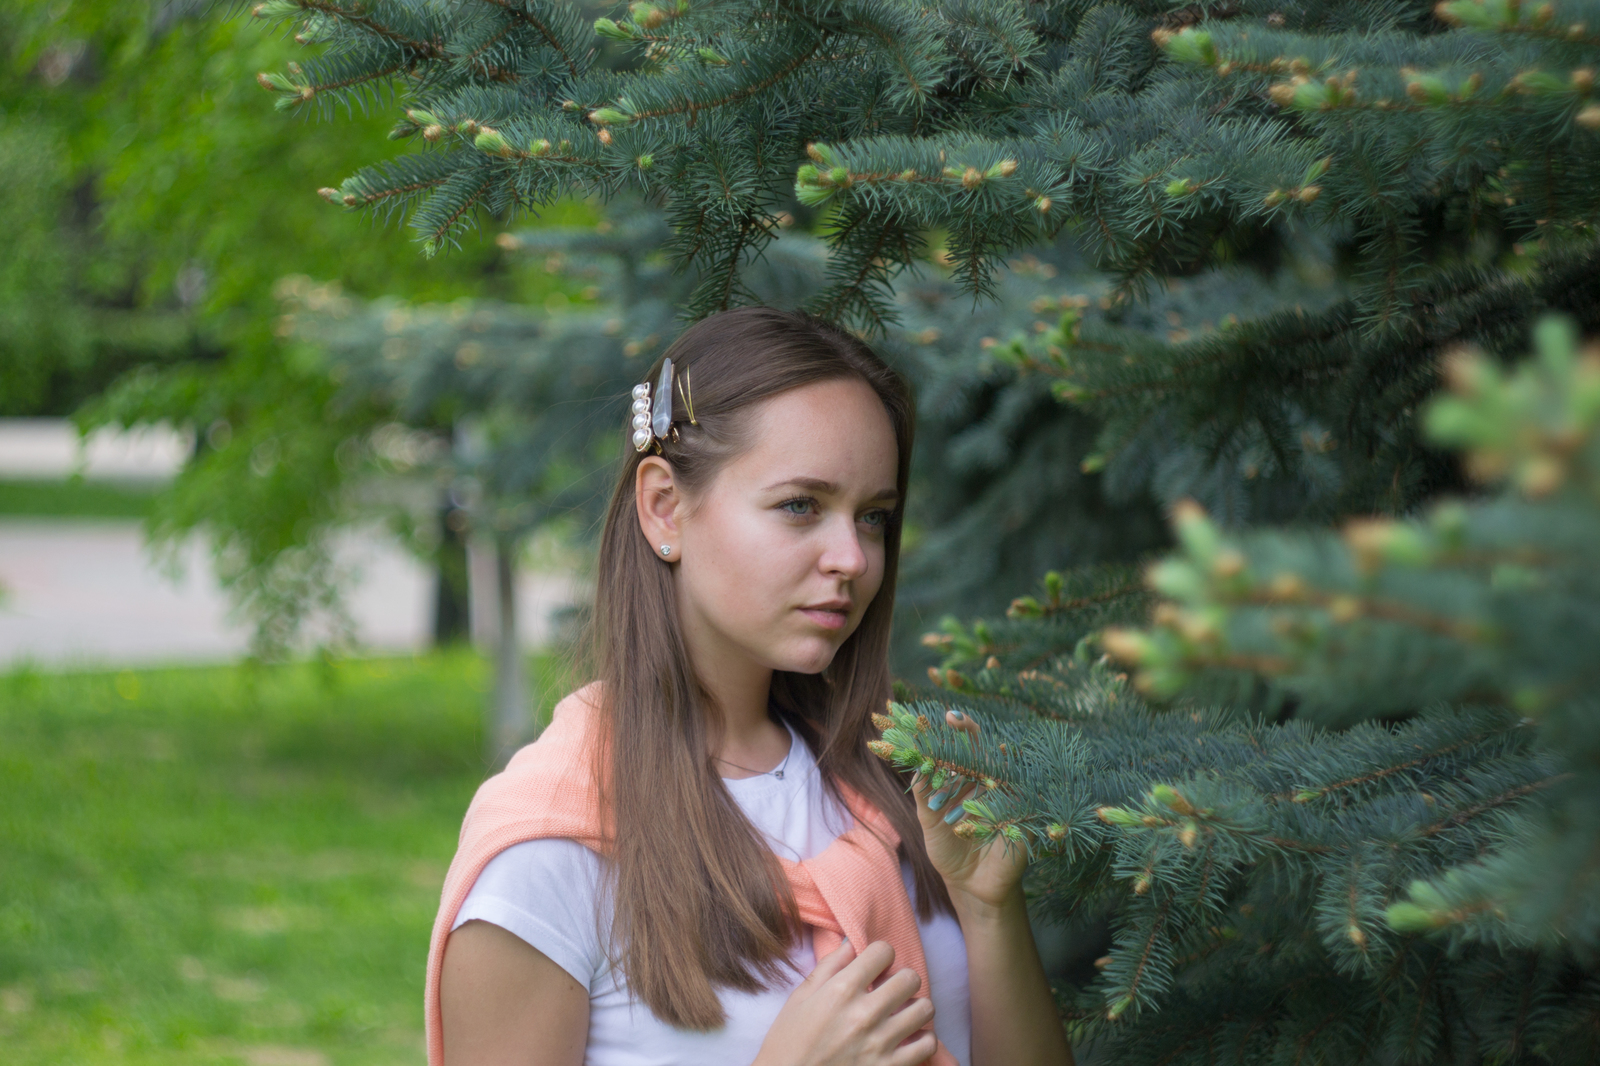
x=229 y=866
x=75 y=498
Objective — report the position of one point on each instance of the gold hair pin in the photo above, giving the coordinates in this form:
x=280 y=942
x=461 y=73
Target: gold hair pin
x=686 y=391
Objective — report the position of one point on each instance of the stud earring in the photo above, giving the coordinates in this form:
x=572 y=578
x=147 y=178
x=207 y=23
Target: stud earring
x=666 y=549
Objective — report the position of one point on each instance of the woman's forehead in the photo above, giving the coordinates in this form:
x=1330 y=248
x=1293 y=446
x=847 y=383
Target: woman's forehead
x=830 y=436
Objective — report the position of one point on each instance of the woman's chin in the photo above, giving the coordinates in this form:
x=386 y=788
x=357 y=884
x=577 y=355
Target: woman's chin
x=809 y=657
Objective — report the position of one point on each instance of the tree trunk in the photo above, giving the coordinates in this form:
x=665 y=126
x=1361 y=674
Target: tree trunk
x=451 y=605
x=510 y=724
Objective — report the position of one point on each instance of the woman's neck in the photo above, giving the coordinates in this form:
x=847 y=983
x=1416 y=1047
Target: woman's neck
x=750 y=741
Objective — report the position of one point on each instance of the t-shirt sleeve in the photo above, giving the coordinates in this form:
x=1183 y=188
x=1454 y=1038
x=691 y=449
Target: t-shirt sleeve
x=545 y=892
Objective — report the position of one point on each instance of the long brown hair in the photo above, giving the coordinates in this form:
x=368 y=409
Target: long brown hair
x=700 y=900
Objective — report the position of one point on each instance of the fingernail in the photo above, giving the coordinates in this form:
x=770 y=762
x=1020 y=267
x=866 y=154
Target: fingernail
x=957 y=715
x=936 y=800
x=957 y=812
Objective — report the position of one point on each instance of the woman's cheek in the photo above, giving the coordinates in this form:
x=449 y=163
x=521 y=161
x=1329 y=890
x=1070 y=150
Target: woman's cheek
x=752 y=567
x=872 y=580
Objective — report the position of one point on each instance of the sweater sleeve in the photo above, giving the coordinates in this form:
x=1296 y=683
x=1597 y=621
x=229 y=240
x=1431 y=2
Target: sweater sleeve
x=546 y=892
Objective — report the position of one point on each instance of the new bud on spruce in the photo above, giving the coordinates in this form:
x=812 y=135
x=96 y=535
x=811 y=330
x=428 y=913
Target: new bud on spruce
x=491 y=142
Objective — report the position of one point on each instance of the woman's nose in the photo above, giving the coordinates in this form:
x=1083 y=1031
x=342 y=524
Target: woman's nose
x=843 y=554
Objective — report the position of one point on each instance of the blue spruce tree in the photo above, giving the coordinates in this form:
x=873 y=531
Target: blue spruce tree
x=1442 y=162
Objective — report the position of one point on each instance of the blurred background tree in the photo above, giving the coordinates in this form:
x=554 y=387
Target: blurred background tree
x=140 y=152
x=527 y=403
x=154 y=205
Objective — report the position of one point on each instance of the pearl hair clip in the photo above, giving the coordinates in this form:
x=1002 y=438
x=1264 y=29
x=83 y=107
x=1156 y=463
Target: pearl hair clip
x=652 y=422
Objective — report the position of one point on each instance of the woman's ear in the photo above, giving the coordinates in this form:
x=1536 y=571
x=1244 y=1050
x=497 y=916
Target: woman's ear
x=660 y=505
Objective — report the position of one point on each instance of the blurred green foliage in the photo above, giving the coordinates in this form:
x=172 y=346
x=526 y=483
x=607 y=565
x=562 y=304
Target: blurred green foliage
x=153 y=200
x=152 y=197
x=230 y=864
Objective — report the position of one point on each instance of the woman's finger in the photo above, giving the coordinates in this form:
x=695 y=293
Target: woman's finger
x=958 y=809
x=893 y=993
x=964 y=722
x=864 y=969
x=831 y=963
x=948 y=800
x=907 y=1020
x=941 y=798
x=915 y=1051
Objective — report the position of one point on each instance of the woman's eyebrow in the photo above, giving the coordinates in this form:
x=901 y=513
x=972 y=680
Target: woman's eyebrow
x=828 y=488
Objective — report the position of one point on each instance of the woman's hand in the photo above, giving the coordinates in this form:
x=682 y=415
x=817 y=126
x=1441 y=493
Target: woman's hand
x=833 y=1019
x=986 y=874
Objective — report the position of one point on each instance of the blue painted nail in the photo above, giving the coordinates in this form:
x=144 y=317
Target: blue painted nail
x=955 y=814
x=936 y=800
x=957 y=715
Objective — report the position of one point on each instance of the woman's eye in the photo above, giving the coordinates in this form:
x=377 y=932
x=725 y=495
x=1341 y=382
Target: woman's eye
x=800 y=507
x=876 y=520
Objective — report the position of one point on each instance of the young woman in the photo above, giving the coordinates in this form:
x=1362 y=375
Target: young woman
x=699 y=862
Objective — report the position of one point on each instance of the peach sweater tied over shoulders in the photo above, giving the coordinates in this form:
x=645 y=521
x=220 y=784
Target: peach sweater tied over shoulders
x=852 y=888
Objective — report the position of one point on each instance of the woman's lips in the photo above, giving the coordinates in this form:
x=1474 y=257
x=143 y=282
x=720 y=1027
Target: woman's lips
x=827 y=617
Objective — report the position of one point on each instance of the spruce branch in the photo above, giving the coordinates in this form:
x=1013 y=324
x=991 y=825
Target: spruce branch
x=356 y=15
x=1307 y=794
x=1147 y=973
x=528 y=12
x=389 y=186
x=437 y=230
x=1510 y=795
x=732 y=89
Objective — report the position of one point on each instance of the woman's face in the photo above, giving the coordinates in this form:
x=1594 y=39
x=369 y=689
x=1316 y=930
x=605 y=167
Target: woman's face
x=781 y=554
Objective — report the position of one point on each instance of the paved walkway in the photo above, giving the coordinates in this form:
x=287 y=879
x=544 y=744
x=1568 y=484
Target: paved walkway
x=88 y=593
x=50 y=448
x=76 y=593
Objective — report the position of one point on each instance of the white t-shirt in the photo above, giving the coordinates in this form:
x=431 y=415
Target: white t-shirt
x=548 y=893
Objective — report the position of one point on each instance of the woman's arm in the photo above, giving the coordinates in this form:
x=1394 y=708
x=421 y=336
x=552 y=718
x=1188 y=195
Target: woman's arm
x=1014 y=1020
x=504 y=1003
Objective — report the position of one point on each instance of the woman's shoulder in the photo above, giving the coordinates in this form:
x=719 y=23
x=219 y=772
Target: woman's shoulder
x=547 y=892
x=543 y=861
x=548 y=789
x=585 y=699
x=573 y=728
